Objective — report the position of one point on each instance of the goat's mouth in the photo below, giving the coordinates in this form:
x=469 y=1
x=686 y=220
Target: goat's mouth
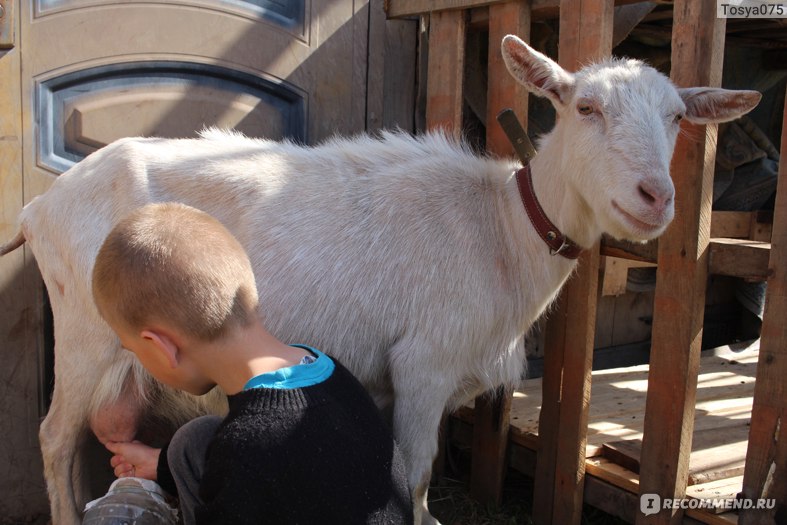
x=637 y=224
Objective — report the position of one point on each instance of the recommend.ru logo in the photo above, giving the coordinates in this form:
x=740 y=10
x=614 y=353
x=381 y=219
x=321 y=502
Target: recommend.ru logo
x=649 y=504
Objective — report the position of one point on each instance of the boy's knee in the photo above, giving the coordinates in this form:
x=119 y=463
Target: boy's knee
x=190 y=442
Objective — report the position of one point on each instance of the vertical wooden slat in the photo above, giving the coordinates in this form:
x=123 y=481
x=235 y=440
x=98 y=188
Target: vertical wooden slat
x=390 y=91
x=22 y=486
x=490 y=428
x=444 y=89
x=444 y=97
x=585 y=35
x=512 y=18
x=697 y=53
x=360 y=64
x=766 y=459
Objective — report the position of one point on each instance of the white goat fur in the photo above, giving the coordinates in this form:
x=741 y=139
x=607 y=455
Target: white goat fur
x=411 y=260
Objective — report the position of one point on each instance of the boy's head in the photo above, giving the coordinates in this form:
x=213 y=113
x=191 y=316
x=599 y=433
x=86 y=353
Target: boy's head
x=170 y=264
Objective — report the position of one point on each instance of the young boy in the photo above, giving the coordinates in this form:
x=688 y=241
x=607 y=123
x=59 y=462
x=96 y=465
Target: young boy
x=303 y=442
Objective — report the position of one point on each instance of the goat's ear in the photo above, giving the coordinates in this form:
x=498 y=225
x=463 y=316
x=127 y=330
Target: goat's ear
x=706 y=105
x=537 y=72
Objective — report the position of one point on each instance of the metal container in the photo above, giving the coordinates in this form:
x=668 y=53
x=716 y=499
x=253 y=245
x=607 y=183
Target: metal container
x=131 y=501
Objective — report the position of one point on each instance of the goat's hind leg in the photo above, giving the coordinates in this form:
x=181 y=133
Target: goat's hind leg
x=91 y=374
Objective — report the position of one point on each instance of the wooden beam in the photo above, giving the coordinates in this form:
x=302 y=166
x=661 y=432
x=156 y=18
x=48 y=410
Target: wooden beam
x=402 y=8
x=739 y=258
x=540 y=9
x=697 y=53
x=644 y=252
x=21 y=292
x=585 y=35
x=766 y=460
x=490 y=430
x=445 y=74
x=503 y=91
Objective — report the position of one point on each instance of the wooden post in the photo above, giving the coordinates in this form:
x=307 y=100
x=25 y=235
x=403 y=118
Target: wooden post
x=444 y=98
x=444 y=89
x=766 y=459
x=491 y=413
x=24 y=490
x=697 y=53
x=512 y=18
x=585 y=35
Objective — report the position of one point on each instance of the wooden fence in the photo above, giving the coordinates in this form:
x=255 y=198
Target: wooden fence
x=686 y=254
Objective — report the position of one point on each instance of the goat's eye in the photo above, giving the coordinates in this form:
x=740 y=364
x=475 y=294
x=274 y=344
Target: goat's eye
x=678 y=118
x=585 y=109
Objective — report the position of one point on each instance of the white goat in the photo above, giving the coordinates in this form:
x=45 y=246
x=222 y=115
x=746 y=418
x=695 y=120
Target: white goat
x=411 y=260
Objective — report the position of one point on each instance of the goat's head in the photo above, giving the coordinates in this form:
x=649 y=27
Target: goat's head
x=618 y=121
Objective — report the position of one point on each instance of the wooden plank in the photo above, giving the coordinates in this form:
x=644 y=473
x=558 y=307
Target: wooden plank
x=761 y=226
x=404 y=8
x=390 y=94
x=562 y=425
x=615 y=276
x=766 y=459
x=603 y=468
x=585 y=35
x=503 y=90
x=611 y=499
x=697 y=53
x=444 y=89
x=21 y=402
x=718 y=453
x=731 y=224
x=724 y=224
x=399 y=94
x=490 y=442
x=647 y=252
x=739 y=258
x=360 y=21
x=375 y=101
x=727 y=488
x=629 y=481
x=710 y=518
x=492 y=420
x=723 y=410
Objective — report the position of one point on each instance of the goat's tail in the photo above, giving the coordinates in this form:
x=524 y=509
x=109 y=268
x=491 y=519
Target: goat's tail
x=13 y=244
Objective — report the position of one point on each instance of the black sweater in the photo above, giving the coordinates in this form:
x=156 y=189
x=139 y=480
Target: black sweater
x=314 y=455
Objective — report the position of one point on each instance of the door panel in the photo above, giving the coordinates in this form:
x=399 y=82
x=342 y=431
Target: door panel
x=289 y=14
x=80 y=112
x=261 y=66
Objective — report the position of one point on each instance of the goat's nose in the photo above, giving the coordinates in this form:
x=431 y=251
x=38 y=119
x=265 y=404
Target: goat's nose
x=655 y=196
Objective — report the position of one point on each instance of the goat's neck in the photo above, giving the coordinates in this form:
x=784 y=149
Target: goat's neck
x=562 y=203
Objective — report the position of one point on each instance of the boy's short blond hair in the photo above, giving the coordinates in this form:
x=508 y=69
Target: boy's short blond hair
x=174 y=265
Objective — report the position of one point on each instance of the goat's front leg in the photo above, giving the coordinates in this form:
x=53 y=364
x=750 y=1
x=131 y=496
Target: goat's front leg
x=420 y=400
x=62 y=436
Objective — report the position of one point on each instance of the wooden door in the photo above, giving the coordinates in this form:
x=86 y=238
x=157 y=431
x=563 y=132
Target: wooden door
x=78 y=74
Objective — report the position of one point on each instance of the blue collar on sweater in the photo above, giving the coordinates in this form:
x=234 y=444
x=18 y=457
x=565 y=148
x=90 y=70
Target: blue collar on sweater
x=297 y=376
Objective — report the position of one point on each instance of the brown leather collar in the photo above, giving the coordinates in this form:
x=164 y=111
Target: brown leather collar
x=557 y=242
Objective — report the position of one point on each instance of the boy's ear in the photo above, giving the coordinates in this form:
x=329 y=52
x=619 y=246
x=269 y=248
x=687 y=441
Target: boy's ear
x=164 y=343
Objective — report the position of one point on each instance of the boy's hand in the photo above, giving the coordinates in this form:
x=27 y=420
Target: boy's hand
x=134 y=459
